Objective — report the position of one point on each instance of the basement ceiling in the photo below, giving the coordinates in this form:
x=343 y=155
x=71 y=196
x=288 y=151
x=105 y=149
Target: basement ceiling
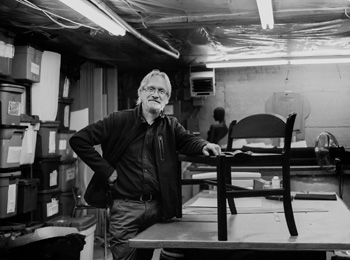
x=186 y=32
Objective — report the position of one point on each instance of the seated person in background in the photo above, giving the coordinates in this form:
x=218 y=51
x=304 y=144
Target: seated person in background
x=218 y=131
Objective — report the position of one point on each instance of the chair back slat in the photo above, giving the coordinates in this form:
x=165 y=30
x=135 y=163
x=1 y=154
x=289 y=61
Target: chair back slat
x=259 y=126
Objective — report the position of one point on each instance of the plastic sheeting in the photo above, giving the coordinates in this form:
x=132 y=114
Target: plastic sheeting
x=201 y=30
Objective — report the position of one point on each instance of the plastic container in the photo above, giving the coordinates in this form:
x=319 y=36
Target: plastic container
x=11 y=145
x=29 y=140
x=27 y=195
x=7 y=51
x=275 y=182
x=67 y=174
x=63 y=112
x=67 y=203
x=47 y=205
x=8 y=194
x=47 y=171
x=85 y=225
x=64 y=148
x=11 y=103
x=27 y=63
x=47 y=139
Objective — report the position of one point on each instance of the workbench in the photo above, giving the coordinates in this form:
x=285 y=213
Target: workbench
x=323 y=226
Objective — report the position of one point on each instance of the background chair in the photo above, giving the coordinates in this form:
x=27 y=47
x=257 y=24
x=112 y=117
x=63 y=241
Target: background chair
x=79 y=205
x=255 y=126
x=229 y=138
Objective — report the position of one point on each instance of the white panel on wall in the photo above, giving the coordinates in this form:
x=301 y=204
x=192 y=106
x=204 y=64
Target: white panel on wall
x=45 y=93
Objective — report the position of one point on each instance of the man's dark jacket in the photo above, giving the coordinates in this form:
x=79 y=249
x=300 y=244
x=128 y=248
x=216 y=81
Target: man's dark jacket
x=116 y=131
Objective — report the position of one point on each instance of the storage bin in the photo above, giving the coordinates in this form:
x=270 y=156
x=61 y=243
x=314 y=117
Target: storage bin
x=7 y=51
x=63 y=112
x=47 y=171
x=66 y=203
x=29 y=140
x=47 y=139
x=11 y=103
x=85 y=225
x=67 y=174
x=8 y=194
x=10 y=145
x=27 y=63
x=27 y=195
x=47 y=205
x=64 y=148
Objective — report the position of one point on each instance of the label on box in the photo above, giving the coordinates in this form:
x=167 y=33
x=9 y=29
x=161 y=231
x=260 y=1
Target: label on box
x=9 y=51
x=30 y=141
x=2 y=49
x=70 y=174
x=35 y=68
x=14 y=108
x=62 y=145
x=66 y=116
x=52 y=207
x=11 y=198
x=52 y=142
x=14 y=154
x=65 y=87
x=53 y=178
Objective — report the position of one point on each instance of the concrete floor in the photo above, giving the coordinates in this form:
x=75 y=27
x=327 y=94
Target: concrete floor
x=99 y=251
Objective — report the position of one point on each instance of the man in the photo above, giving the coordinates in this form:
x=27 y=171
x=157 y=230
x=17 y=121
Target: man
x=139 y=162
x=218 y=131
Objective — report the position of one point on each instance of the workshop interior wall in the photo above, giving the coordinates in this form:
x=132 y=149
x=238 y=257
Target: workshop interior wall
x=245 y=91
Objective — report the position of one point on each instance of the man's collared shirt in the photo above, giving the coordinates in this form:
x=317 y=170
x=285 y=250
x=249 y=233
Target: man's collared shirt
x=136 y=168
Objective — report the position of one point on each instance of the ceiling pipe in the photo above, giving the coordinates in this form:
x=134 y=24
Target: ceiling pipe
x=131 y=30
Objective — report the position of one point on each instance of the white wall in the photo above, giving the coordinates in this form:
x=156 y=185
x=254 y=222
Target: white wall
x=244 y=91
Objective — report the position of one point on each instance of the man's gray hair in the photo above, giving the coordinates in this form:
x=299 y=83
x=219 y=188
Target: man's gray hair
x=146 y=79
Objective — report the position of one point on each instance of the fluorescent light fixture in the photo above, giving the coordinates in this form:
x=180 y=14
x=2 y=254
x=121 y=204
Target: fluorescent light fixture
x=319 y=60
x=94 y=14
x=265 y=13
x=247 y=63
x=279 y=61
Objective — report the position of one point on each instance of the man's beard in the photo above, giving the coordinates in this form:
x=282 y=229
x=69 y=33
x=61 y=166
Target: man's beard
x=154 y=110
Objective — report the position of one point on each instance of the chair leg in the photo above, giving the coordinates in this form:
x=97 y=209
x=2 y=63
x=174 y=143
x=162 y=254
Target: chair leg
x=288 y=213
x=231 y=204
x=105 y=236
x=221 y=198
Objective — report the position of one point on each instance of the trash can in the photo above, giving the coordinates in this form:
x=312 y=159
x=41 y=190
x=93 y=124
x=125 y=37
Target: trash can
x=85 y=225
x=55 y=247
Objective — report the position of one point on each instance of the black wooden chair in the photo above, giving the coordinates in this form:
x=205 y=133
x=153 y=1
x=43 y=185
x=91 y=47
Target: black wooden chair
x=79 y=205
x=255 y=126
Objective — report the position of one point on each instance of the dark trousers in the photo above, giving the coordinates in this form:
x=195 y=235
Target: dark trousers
x=127 y=219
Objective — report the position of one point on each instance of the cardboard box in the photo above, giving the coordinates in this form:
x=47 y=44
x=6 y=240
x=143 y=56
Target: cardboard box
x=26 y=63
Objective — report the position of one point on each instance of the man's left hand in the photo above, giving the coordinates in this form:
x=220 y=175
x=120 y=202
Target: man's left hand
x=211 y=149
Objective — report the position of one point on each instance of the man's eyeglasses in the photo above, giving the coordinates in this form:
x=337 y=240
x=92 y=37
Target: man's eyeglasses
x=152 y=90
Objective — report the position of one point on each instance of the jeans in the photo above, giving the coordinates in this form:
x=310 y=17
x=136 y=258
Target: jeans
x=127 y=219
